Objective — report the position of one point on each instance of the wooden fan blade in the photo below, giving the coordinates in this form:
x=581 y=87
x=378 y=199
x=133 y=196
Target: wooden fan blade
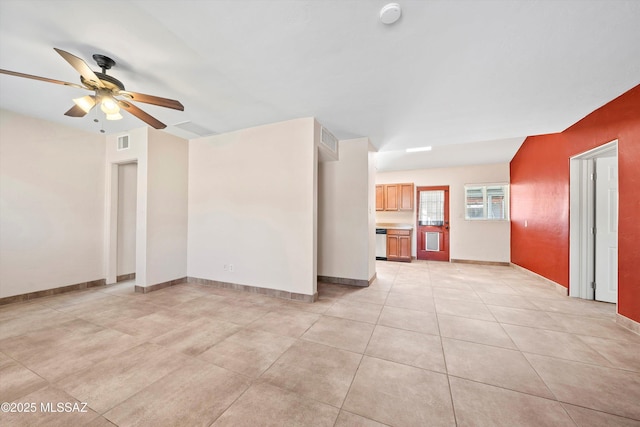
x=43 y=79
x=75 y=111
x=148 y=119
x=155 y=100
x=81 y=67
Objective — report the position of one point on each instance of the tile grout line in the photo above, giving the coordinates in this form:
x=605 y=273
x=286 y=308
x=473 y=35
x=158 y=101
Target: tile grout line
x=522 y=354
x=509 y=389
x=444 y=358
x=363 y=355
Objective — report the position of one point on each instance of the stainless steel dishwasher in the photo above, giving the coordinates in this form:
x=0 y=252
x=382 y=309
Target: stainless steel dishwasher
x=381 y=244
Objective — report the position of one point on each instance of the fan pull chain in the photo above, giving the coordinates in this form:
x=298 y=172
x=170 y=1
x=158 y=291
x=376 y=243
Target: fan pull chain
x=96 y=120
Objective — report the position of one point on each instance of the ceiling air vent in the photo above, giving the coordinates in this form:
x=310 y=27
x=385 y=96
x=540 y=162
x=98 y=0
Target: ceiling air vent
x=328 y=140
x=194 y=128
x=123 y=142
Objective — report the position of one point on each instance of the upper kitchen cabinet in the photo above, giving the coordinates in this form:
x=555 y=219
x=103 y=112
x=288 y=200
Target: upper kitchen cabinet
x=405 y=197
x=391 y=197
x=394 y=197
x=379 y=197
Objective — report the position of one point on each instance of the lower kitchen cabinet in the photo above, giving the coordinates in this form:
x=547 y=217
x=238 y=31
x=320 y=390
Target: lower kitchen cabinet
x=399 y=245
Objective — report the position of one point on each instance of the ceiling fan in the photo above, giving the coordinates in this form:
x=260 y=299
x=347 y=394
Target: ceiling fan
x=106 y=91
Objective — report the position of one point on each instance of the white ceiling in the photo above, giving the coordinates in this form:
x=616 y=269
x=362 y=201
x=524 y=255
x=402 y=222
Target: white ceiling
x=471 y=78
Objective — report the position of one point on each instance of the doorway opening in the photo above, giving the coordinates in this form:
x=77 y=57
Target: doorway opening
x=126 y=222
x=122 y=232
x=593 y=224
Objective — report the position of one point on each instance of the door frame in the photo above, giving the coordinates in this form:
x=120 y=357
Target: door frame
x=582 y=219
x=111 y=224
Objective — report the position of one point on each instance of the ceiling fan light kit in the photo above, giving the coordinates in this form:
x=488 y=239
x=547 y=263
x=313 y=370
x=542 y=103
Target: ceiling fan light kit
x=106 y=91
x=86 y=103
x=108 y=105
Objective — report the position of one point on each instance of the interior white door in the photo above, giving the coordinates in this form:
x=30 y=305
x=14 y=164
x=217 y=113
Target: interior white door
x=606 y=220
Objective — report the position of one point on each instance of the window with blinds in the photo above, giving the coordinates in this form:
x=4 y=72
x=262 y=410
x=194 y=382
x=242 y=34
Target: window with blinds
x=487 y=202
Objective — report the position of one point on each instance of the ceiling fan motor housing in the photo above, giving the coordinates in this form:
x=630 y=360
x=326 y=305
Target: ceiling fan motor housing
x=104 y=62
x=110 y=82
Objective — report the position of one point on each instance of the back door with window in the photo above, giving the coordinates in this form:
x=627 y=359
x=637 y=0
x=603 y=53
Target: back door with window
x=433 y=223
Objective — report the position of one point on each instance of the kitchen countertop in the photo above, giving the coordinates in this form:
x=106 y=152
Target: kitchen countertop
x=394 y=226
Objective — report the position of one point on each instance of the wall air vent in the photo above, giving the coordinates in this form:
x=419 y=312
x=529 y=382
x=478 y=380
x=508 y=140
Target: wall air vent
x=328 y=140
x=123 y=142
x=327 y=144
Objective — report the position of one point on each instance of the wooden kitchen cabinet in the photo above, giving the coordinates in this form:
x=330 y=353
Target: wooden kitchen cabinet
x=405 y=197
x=380 y=197
x=399 y=245
x=391 y=197
x=394 y=197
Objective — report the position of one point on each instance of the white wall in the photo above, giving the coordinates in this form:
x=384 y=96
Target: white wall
x=167 y=183
x=469 y=240
x=344 y=232
x=127 y=195
x=251 y=204
x=51 y=205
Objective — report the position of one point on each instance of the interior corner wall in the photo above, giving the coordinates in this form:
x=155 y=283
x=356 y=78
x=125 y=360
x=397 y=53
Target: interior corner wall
x=251 y=206
x=51 y=205
x=343 y=221
x=468 y=240
x=167 y=192
x=540 y=195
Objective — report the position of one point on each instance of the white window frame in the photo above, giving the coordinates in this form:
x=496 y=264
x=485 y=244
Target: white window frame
x=485 y=204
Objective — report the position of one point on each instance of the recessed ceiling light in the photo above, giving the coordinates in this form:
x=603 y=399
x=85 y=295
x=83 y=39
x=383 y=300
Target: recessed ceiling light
x=390 y=13
x=418 y=149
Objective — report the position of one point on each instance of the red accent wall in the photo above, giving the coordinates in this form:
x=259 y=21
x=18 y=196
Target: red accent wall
x=540 y=195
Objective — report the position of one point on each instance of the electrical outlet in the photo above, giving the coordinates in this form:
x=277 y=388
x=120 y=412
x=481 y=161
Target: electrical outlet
x=231 y=268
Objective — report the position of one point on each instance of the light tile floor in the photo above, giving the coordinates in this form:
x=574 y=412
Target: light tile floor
x=427 y=344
